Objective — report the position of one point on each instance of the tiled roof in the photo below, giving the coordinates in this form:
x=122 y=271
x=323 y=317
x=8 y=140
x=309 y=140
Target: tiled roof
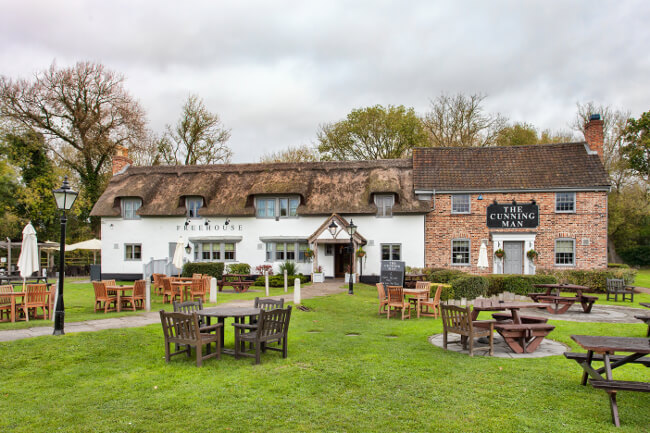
x=229 y=189
x=546 y=166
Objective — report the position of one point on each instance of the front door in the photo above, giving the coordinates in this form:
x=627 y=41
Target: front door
x=341 y=259
x=514 y=260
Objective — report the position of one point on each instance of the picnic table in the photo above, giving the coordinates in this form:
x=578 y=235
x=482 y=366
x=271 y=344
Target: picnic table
x=603 y=349
x=560 y=304
x=644 y=317
x=238 y=282
x=523 y=334
x=238 y=314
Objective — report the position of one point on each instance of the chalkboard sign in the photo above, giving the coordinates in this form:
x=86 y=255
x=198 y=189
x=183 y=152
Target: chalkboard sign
x=392 y=273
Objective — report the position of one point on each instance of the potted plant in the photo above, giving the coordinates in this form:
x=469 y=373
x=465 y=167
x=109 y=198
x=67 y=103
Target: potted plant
x=531 y=254
x=309 y=253
x=318 y=276
x=360 y=252
x=349 y=276
x=500 y=253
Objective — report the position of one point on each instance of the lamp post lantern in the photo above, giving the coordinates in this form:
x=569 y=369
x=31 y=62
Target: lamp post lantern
x=352 y=229
x=65 y=198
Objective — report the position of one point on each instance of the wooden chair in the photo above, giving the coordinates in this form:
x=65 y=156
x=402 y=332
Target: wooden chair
x=383 y=300
x=457 y=320
x=199 y=288
x=157 y=285
x=5 y=302
x=110 y=283
x=170 y=292
x=36 y=296
x=184 y=330
x=102 y=297
x=197 y=276
x=272 y=327
x=138 y=296
x=431 y=303
x=617 y=287
x=396 y=301
x=268 y=304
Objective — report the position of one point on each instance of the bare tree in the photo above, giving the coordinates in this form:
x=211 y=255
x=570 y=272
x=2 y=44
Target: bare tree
x=83 y=113
x=303 y=153
x=197 y=138
x=460 y=121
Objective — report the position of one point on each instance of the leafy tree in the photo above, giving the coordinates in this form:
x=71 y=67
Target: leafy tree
x=520 y=134
x=83 y=112
x=372 y=133
x=197 y=138
x=460 y=121
x=637 y=149
x=8 y=187
x=292 y=154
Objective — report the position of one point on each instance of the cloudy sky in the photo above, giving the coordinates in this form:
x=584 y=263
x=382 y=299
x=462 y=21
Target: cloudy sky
x=275 y=70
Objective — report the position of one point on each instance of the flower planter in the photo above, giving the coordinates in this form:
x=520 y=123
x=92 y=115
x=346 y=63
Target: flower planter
x=318 y=277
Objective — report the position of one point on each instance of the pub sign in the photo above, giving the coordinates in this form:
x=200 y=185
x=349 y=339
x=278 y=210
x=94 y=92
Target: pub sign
x=512 y=216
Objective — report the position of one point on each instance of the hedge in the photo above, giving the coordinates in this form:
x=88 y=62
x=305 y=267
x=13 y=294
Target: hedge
x=595 y=280
x=470 y=287
x=278 y=280
x=212 y=269
x=445 y=275
x=238 y=268
x=636 y=256
x=517 y=284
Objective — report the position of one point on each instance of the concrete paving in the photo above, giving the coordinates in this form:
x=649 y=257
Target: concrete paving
x=311 y=291
x=501 y=349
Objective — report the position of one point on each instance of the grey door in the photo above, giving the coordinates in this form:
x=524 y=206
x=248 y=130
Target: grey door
x=514 y=260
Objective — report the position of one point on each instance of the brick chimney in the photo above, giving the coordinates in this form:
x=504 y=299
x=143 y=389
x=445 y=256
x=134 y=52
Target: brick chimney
x=121 y=159
x=594 y=134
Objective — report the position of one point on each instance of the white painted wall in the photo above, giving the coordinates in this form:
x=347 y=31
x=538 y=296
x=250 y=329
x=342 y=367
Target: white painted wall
x=155 y=234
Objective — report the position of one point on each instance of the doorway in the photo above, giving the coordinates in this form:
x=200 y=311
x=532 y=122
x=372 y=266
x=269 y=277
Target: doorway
x=514 y=259
x=341 y=259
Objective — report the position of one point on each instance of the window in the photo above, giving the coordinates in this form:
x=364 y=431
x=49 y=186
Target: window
x=329 y=249
x=280 y=207
x=565 y=252
x=460 y=203
x=129 y=208
x=565 y=202
x=215 y=251
x=384 y=204
x=460 y=252
x=286 y=251
x=193 y=204
x=132 y=252
x=229 y=252
x=391 y=251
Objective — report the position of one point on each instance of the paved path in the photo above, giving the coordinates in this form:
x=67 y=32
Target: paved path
x=311 y=291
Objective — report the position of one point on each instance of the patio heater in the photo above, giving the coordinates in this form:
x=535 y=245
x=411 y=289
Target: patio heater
x=65 y=198
x=352 y=229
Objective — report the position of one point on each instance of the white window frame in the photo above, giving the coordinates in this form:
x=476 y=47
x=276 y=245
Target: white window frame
x=558 y=202
x=221 y=251
x=391 y=251
x=469 y=252
x=132 y=257
x=555 y=252
x=384 y=203
x=274 y=248
x=289 y=203
x=191 y=211
x=455 y=197
x=129 y=208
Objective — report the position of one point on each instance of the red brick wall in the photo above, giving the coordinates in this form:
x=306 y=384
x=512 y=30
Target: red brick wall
x=589 y=222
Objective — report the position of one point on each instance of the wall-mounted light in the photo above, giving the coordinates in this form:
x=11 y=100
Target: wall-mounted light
x=494 y=201
x=333 y=228
x=533 y=201
x=480 y=197
x=187 y=222
x=514 y=202
x=207 y=223
x=227 y=221
x=188 y=248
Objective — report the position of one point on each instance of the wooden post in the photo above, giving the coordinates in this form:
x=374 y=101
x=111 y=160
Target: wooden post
x=296 y=292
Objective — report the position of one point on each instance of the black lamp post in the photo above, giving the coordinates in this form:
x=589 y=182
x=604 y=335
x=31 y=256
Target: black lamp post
x=65 y=198
x=352 y=229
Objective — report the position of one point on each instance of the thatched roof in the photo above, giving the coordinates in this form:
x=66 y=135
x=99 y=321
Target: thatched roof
x=229 y=189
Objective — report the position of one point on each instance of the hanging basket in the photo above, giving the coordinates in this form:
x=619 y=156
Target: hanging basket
x=360 y=253
x=500 y=253
x=531 y=254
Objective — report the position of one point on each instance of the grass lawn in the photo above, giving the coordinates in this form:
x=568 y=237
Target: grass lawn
x=642 y=278
x=387 y=378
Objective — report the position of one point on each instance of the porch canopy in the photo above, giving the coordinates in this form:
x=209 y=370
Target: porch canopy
x=322 y=235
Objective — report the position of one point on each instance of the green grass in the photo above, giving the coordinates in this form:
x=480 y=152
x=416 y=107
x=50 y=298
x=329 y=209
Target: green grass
x=117 y=381
x=642 y=278
x=79 y=301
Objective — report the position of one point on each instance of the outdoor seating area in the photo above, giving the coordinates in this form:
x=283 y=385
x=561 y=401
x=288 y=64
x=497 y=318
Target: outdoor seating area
x=18 y=303
x=559 y=304
x=397 y=298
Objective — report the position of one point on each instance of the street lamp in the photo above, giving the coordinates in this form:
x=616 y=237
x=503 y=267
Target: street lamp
x=65 y=198
x=352 y=229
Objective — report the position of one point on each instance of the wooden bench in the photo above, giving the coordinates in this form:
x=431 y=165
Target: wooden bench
x=646 y=319
x=559 y=304
x=616 y=286
x=525 y=337
x=524 y=319
x=238 y=282
x=578 y=357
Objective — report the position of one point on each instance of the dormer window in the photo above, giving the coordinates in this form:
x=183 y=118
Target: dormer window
x=193 y=204
x=384 y=203
x=277 y=207
x=129 y=208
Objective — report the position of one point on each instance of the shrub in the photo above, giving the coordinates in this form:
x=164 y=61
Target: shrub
x=470 y=287
x=212 y=269
x=289 y=266
x=278 y=280
x=259 y=270
x=596 y=279
x=517 y=284
x=238 y=268
x=446 y=275
x=618 y=265
x=636 y=256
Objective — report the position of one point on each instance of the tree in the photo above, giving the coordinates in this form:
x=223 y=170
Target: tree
x=460 y=121
x=197 y=138
x=520 y=134
x=83 y=112
x=637 y=150
x=372 y=133
x=292 y=154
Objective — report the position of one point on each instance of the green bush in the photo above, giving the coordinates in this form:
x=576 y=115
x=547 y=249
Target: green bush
x=289 y=266
x=278 y=280
x=212 y=269
x=517 y=284
x=595 y=280
x=618 y=265
x=447 y=293
x=238 y=268
x=446 y=275
x=470 y=287
x=636 y=256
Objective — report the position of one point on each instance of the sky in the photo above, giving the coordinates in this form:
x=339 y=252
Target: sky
x=276 y=70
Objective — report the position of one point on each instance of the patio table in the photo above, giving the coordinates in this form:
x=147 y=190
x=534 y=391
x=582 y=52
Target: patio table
x=239 y=315
x=119 y=290
x=183 y=285
x=417 y=294
x=560 y=304
x=21 y=294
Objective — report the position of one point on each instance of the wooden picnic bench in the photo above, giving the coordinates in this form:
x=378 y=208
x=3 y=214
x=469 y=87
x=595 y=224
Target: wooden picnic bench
x=236 y=281
x=560 y=304
x=504 y=317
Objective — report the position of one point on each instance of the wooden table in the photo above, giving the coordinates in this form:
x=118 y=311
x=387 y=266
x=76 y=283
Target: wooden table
x=240 y=284
x=520 y=337
x=560 y=304
x=239 y=315
x=183 y=285
x=417 y=294
x=606 y=347
x=21 y=294
x=119 y=290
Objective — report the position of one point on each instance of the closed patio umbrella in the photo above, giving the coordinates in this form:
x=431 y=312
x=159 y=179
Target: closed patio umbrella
x=28 y=259
x=483 y=257
x=179 y=255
